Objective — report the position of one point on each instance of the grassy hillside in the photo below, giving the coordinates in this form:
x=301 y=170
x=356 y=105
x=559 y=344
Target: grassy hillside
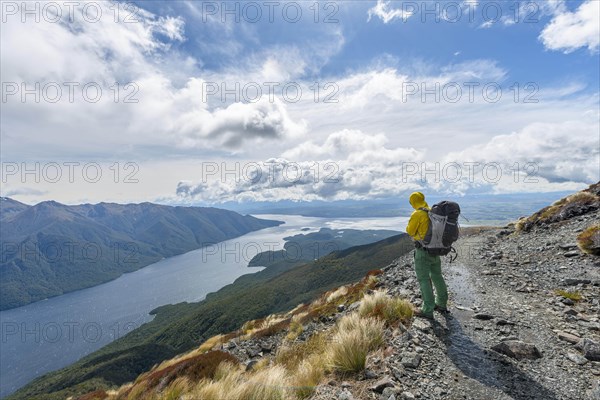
x=182 y=327
x=50 y=249
x=336 y=345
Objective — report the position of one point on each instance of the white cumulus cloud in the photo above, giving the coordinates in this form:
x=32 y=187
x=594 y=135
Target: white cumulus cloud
x=569 y=31
x=557 y=152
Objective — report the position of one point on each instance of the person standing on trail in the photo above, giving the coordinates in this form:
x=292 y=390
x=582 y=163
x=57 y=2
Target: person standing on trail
x=427 y=267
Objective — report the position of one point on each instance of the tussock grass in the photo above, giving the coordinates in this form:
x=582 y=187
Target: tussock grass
x=226 y=376
x=297 y=367
x=355 y=338
x=265 y=327
x=372 y=280
x=272 y=383
x=271 y=328
x=351 y=294
x=135 y=393
x=349 y=352
x=210 y=343
x=176 y=389
x=298 y=309
x=385 y=307
x=588 y=241
x=172 y=378
x=340 y=292
x=203 y=348
x=295 y=329
x=308 y=375
x=290 y=356
x=575 y=296
x=261 y=364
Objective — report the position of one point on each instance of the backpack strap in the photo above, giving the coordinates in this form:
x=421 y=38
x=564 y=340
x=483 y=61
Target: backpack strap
x=453 y=250
x=421 y=242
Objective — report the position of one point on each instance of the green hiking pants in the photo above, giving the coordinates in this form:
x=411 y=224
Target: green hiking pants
x=429 y=271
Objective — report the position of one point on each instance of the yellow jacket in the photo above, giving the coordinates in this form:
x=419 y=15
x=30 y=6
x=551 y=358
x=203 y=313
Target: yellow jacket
x=419 y=220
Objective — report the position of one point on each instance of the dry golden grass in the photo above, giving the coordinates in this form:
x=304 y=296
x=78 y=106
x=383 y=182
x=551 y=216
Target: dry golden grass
x=271 y=329
x=226 y=371
x=296 y=310
x=355 y=338
x=214 y=341
x=372 y=280
x=209 y=344
x=308 y=375
x=290 y=356
x=588 y=241
x=176 y=389
x=226 y=376
x=339 y=292
x=272 y=383
x=352 y=293
x=385 y=307
x=262 y=364
x=296 y=369
x=295 y=329
x=170 y=381
x=137 y=391
x=265 y=327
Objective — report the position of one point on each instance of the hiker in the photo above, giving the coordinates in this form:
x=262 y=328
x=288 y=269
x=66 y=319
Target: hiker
x=428 y=267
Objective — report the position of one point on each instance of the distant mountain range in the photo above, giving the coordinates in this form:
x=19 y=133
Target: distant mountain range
x=481 y=209
x=50 y=248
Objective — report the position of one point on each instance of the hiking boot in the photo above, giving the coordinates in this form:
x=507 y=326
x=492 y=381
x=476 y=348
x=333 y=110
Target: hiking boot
x=442 y=310
x=421 y=314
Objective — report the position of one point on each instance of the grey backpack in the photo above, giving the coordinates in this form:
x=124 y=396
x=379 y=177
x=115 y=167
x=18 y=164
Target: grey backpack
x=443 y=228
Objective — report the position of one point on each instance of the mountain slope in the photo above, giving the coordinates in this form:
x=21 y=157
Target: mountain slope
x=9 y=206
x=181 y=327
x=50 y=249
x=524 y=325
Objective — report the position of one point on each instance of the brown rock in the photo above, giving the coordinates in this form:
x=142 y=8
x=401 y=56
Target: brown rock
x=567 y=337
x=381 y=384
x=518 y=349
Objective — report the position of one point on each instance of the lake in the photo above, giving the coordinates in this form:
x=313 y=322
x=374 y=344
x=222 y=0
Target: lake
x=51 y=334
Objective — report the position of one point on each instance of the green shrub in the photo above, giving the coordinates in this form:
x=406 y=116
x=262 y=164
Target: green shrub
x=575 y=296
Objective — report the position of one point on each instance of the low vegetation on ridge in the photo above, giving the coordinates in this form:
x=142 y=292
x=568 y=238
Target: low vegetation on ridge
x=297 y=367
x=588 y=241
x=181 y=328
x=571 y=206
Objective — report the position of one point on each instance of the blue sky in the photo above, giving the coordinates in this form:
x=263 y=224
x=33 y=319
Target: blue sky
x=372 y=54
x=398 y=43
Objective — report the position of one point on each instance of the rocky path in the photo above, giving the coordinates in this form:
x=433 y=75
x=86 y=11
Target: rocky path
x=509 y=336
